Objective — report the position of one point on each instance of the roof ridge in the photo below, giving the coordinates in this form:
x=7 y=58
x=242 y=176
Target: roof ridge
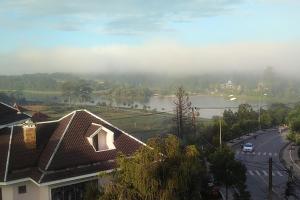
x=58 y=144
x=61 y=138
x=1 y=102
x=8 y=153
x=57 y=120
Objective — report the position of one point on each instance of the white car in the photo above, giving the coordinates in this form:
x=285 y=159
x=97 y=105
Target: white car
x=248 y=147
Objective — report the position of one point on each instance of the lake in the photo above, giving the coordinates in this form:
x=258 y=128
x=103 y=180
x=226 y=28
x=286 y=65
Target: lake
x=209 y=105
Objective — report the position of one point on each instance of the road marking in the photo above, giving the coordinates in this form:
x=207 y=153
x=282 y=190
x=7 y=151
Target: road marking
x=253 y=152
x=258 y=153
x=257 y=172
x=279 y=173
x=265 y=173
x=251 y=173
x=275 y=154
x=265 y=153
x=270 y=154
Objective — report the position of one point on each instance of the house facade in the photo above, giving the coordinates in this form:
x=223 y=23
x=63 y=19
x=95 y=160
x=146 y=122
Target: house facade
x=55 y=160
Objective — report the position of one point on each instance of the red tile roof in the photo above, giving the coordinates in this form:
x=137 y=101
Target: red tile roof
x=4 y=145
x=39 y=117
x=62 y=149
x=20 y=108
x=9 y=115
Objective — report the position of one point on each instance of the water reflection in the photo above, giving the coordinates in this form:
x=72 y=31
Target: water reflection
x=209 y=105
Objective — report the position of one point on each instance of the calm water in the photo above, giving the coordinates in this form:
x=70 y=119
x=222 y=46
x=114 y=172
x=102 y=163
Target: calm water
x=209 y=105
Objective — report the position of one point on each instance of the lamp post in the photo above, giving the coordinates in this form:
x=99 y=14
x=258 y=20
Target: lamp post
x=232 y=98
x=259 y=110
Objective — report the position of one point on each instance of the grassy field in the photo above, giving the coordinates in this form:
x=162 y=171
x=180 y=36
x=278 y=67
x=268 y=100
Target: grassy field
x=140 y=123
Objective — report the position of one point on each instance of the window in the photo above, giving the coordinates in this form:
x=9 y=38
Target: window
x=102 y=140
x=22 y=189
x=75 y=191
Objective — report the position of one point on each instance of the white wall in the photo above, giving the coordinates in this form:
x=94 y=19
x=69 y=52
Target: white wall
x=7 y=192
x=102 y=141
x=33 y=192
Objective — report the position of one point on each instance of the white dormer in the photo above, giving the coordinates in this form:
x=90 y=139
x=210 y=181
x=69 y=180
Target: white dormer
x=102 y=139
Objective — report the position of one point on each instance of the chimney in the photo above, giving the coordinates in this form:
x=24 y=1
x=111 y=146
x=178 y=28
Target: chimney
x=29 y=133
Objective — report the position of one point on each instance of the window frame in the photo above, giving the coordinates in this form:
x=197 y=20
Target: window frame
x=22 y=189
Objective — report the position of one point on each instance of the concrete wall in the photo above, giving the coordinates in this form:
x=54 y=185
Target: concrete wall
x=33 y=192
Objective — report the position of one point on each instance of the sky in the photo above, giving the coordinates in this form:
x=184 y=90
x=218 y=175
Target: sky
x=161 y=36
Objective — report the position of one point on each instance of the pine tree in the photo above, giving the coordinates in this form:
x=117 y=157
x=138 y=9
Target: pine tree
x=182 y=113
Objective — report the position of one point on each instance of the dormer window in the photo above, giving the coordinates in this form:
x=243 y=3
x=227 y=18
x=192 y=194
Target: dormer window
x=101 y=138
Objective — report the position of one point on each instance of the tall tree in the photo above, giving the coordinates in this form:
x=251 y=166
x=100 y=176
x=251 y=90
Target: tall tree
x=79 y=89
x=182 y=113
x=165 y=171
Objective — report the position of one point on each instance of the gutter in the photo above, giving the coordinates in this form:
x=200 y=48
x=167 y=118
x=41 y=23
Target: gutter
x=54 y=182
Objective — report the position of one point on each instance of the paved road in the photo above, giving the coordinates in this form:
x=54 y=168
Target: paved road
x=265 y=146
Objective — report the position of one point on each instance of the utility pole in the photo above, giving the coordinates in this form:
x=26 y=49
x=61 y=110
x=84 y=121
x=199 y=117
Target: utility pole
x=194 y=125
x=220 y=121
x=290 y=178
x=270 y=178
x=259 y=112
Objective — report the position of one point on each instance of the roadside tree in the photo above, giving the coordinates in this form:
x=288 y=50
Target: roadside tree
x=228 y=171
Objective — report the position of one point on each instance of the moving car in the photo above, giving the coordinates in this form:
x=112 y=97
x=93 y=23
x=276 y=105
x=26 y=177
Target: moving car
x=248 y=147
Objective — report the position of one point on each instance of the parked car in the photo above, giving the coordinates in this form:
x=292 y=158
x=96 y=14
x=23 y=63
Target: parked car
x=248 y=147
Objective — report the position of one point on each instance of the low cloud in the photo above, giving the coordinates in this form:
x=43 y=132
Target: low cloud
x=156 y=57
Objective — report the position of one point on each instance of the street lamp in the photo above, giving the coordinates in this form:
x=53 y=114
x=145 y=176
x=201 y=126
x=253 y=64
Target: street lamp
x=259 y=109
x=232 y=98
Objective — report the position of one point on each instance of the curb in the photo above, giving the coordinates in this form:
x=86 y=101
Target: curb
x=281 y=152
x=243 y=140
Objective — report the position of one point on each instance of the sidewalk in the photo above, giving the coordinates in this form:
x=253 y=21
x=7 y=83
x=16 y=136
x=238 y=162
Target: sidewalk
x=290 y=157
x=246 y=137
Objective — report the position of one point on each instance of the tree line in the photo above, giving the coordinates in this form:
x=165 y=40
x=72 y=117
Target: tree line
x=174 y=166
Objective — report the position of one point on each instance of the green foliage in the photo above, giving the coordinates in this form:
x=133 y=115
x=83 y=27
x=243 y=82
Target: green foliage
x=244 y=84
x=245 y=112
x=126 y=91
x=165 y=171
x=79 y=90
x=13 y=97
x=265 y=120
x=28 y=82
x=279 y=113
x=235 y=124
x=230 y=117
x=294 y=137
x=91 y=191
x=229 y=172
x=183 y=116
x=294 y=124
